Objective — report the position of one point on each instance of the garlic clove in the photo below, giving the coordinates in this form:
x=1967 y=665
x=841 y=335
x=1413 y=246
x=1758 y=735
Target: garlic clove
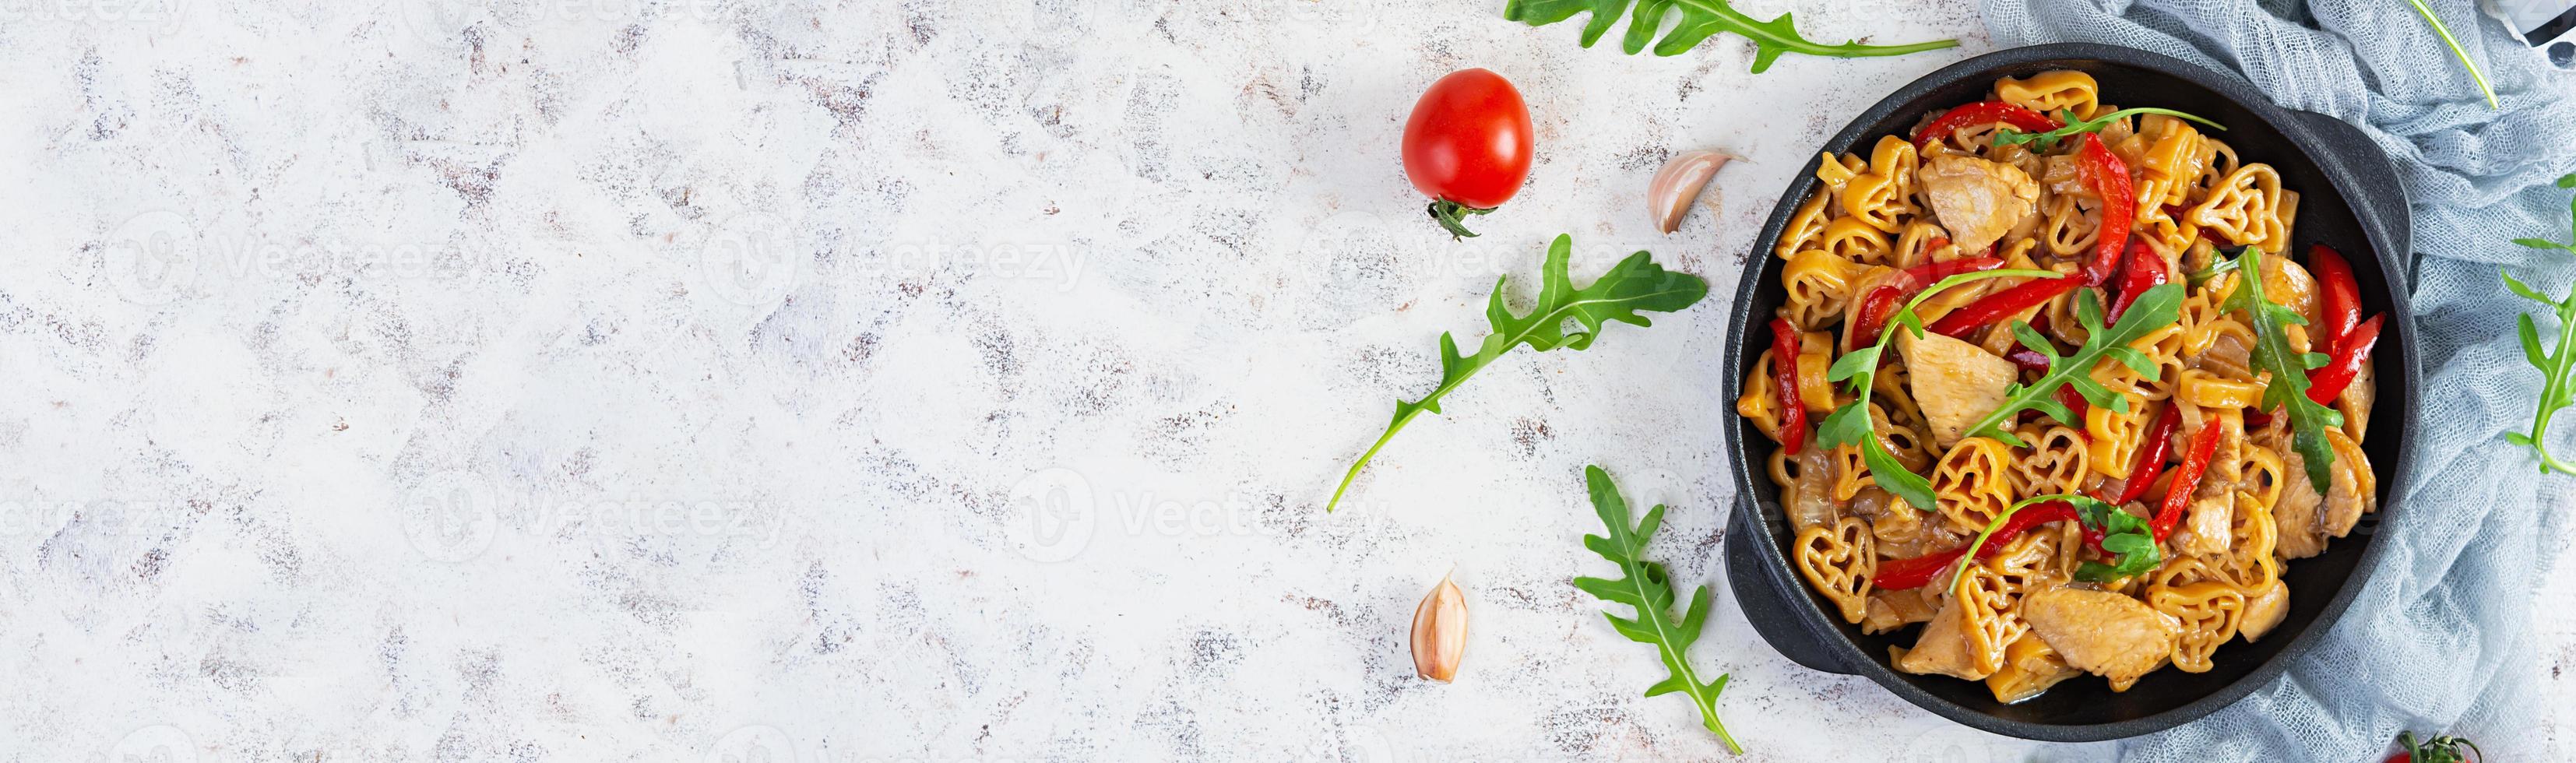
x=1679 y=183
x=1440 y=632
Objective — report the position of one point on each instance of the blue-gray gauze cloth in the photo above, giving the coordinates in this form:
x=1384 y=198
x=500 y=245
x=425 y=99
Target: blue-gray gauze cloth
x=2442 y=638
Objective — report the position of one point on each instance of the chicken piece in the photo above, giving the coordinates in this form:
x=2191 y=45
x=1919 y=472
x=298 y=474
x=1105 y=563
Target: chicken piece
x=2355 y=402
x=2030 y=667
x=1955 y=383
x=2306 y=519
x=2205 y=526
x=2264 y=611
x=2101 y=632
x=1944 y=648
x=1890 y=610
x=1977 y=200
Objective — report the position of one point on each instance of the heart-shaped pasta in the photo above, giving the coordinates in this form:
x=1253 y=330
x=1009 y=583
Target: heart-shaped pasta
x=2051 y=91
x=2113 y=436
x=2251 y=563
x=1894 y=158
x=1914 y=246
x=1853 y=239
x=1972 y=483
x=2070 y=228
x=2057 y=461
x=1876 y=199
x=1806 y=228
x=1818 y=284
x=2242 y=209
x=2208 y=611
x=1839 y=561
x=1837 y=172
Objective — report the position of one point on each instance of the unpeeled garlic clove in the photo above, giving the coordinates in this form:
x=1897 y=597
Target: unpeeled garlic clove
x=1678 y=183
x=1440 y=632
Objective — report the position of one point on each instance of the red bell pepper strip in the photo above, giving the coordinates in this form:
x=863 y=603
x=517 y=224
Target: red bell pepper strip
x=2255 y=419
x=2327 y=381
x=2141 y=270
x=2340 y=295
x=1784 y=374
x=2186 y=478
x=1994 y=307
x=2151 y=454
x=2075 y=404
x=2109 y=178
x=1979 y=113
x=1901 y=574
x=1881 y=302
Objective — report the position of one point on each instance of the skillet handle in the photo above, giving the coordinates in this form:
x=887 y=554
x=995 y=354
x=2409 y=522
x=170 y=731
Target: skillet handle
x=2379 y=190
x=1759 y=593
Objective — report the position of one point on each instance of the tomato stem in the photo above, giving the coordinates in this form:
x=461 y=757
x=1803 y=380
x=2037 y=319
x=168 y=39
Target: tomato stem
x=1448 y=214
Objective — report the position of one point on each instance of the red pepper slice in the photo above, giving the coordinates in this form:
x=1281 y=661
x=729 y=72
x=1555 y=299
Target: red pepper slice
x=1881 y=302
x=1784 y=374
x=2109 y=178
x=1901 y=574
x=2186 y=478
x=2327 y=381
x=2141 y=270
x=2151 y=454
x=2075 y=404
x=1994 y=307
x=1979 y=113
x=2340 y=295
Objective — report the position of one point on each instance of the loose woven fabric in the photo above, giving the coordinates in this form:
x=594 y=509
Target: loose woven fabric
x=2441 y=639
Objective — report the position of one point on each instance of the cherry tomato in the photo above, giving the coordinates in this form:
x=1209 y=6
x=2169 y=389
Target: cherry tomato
x=1467 y=145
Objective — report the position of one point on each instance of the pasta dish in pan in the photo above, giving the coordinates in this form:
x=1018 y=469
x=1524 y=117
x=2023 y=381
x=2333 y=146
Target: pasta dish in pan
x=2050 y=383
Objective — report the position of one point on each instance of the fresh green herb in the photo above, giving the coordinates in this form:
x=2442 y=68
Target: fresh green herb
x=1649 y=589
x=2557 y=371
x=2288 y=386
x=2124 y=534
x=1697 y=20
x=2199 y=278
x=1850 y=424
x=2474 y=73
x=2440 y=749
x=1636 y=283
x=2157 y=308
x=2044 y=141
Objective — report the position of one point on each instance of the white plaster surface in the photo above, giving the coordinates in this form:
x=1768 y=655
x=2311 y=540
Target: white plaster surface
x=736 y=380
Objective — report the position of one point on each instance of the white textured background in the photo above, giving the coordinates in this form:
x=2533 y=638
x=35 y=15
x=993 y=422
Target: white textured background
x=620 y=380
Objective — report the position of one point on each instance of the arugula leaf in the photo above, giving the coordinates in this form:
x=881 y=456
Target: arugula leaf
x=2124 y=528
x=1649 y=589
x=2006 y=136
x=2201 y=277
x=2557 y=371
x=2474 y=73
x=1636 y=283
x=2124 y=534
x=2157 y=308
x=1697 y=21
x=2288 y=386
x=1850 y=424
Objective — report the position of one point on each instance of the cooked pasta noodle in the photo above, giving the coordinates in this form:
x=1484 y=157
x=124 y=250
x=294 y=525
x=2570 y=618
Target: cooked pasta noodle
x=2036 y=606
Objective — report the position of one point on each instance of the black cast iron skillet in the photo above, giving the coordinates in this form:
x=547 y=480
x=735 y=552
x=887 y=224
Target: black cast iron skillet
x=2350 y=199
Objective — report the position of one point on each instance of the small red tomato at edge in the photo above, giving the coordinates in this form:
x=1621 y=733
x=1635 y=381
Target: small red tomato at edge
x=1467 y=146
